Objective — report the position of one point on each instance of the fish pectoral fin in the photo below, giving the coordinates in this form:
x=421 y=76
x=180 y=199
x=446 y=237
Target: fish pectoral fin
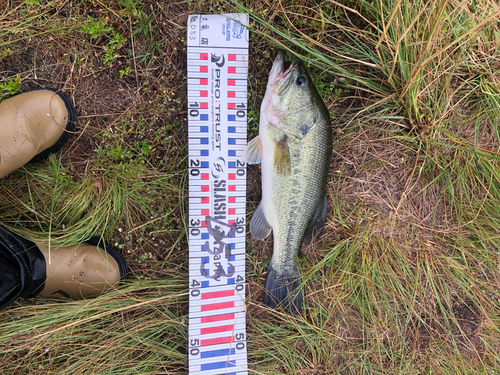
x=282 y=157
x=317 y=223
x=259 y=227
x=303 y=123
x=253 y=152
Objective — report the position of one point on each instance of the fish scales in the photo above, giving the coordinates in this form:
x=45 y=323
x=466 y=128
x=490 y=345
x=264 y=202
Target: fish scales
x=289 y=201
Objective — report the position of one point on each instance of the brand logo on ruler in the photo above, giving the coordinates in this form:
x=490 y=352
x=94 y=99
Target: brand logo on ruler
x=216 y=59
x=218 y=167
x=217 y=81
x=238 y=30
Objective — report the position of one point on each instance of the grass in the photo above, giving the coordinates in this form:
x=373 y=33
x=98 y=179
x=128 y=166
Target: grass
x=123 y=333
x=414 y=275
x=405 y=279
x=71 y=207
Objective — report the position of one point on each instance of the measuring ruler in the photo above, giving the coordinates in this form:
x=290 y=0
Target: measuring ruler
x=217 y=119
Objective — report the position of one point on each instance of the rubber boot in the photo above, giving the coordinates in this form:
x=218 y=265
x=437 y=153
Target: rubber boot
x=75 y=272
x=33 y=125
x=81 y=271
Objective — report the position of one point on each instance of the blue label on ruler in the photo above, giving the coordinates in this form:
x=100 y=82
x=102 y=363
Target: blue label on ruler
x=217 y=120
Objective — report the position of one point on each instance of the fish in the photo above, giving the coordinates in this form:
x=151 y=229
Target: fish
x=294 y=148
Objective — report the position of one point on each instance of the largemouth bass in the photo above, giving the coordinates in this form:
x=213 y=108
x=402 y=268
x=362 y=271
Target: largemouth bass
x=294 y=148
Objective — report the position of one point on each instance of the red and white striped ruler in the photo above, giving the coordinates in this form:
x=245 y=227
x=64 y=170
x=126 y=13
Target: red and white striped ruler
x=217 y=119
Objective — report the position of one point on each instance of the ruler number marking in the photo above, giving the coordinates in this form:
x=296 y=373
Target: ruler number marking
x=195 y=172
x=240 y=171
x=195 y=223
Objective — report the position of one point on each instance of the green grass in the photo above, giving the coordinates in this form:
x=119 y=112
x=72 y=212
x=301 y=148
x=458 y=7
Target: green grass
x=138 y=329
x=405 y=280
x=397 y=300
x=69 y=207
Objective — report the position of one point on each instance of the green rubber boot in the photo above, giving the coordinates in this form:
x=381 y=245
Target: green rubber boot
x=33 y=125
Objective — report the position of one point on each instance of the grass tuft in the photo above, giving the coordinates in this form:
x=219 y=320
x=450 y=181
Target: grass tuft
x=134 y=330
x=53 y=203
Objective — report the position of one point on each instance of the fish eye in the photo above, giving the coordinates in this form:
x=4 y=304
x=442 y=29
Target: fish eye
x=300 y=81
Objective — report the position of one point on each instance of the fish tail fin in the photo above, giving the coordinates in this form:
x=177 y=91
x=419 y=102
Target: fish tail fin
x=282 y=289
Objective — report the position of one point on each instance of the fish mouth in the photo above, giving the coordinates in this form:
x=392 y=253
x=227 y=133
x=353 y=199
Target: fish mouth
x=278 y=71
x=280 y=80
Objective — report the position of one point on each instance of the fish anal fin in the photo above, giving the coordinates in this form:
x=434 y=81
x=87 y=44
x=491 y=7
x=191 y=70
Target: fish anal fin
x=317 y=222
x=259 y=227
x=282 y=157
x=253 y=152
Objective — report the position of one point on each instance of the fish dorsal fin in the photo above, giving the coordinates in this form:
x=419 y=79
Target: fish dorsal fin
x=259 y=227
x=253 y=152
x=317 y=222
x=282 y=157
